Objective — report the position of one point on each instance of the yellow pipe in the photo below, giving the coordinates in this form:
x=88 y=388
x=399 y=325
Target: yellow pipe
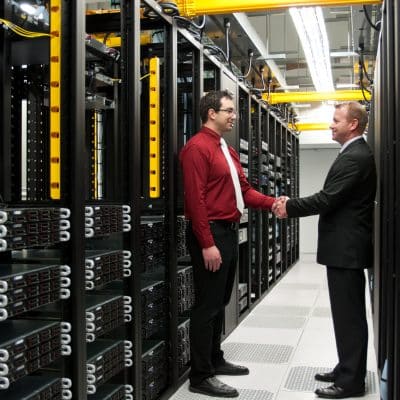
x=115 y=41
x=55 y=99
x=309 y=126
x=309 y=97
x=111 y=41
x=192 y=8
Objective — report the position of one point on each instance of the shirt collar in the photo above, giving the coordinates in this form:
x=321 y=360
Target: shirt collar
x=350 y=141
x=211 y=133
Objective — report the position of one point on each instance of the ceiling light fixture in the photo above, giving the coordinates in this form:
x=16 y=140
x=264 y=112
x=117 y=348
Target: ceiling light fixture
x=343 y=54
x=275 y=56
x=342 y=11
x=310 y=26
x=301 y=105
x=347 y=85
x=288 y=87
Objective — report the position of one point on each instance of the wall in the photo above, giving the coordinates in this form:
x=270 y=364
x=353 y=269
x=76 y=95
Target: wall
x=314 y=165
x=317 y=139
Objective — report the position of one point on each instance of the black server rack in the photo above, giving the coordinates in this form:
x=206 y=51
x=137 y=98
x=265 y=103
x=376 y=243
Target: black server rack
x=246 y=131
x=96 y=284
x=37 y=333
x=254 y=216
x=268 y=177
x=383 y=136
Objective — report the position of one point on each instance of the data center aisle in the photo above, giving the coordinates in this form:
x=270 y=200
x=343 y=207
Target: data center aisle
x=286 y=339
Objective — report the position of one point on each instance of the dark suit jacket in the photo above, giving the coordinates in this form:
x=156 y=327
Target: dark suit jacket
x=345 y=205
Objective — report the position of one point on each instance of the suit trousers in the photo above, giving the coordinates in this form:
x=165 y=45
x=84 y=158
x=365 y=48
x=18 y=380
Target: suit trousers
x=212 y=293
x=347 y=297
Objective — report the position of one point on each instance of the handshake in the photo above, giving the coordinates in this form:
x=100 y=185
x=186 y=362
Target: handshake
x=279 y=207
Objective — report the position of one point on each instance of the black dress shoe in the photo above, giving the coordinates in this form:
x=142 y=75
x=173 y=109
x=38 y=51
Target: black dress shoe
x=231 y=369
x=325 y=377
x=214 y=387
x=336 y=392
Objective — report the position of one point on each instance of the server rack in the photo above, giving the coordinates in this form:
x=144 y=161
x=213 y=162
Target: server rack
x=129 y=25
x=267 y=178
x=29 y=210
x=246 y=258
x=115 y=311
x=189 y=86
x=384 y=138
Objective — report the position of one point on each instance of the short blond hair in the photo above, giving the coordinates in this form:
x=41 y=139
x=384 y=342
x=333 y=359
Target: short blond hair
x=355 y=111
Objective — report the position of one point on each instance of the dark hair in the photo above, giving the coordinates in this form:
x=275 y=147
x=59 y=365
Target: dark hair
x=212 y=100
x=355 y=111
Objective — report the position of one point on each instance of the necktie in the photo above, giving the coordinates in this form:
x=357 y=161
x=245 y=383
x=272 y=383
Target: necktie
x=235 y=177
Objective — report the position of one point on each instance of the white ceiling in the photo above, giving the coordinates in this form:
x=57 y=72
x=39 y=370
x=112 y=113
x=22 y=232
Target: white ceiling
x=272 y=35
x=345 y=27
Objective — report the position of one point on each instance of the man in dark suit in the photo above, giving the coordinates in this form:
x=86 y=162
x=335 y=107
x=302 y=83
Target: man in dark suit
x=345 y=205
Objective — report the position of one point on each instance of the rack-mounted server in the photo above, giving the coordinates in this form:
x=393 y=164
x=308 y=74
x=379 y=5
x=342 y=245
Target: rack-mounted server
x=105 y=313
x=103 y=220
x=154 y=369
x=181 y=247
x=28 y=227
x=113 y=392
x=28 y=345
x=103 y=267
x=41 y=387
x=185 y=288
x=106 y=358
x=242 y=296
x=154 y=306
x=183 y=346
x=25 y=287
x=152 y=237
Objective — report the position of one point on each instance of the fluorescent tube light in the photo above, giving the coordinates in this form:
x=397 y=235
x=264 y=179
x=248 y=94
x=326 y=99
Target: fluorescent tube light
x=310 y=26
x=301 y=105
x=346 y=85
x=276 y=56
x=344 y=54
x=288 y=87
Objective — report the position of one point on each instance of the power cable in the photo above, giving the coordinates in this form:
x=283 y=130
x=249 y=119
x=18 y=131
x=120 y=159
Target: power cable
x=374 y=26
x=250 y=55
x=21 y=31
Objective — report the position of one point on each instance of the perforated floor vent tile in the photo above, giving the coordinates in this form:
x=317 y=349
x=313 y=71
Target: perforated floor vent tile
x=282 y=310
x=299 y=286
x=301 y=379
x=322 y=312
x=257 y=353
x=249 y=394
x=245 y=394
x=274 y=322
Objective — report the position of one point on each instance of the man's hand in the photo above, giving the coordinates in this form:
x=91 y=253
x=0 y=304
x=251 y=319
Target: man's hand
x=212 y=258
x=279 y=207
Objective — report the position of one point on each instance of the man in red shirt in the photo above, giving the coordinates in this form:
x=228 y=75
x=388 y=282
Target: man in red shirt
x=214 y=199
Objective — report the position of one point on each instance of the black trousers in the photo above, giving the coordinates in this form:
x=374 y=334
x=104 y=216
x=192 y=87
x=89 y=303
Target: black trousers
x=212 y=293
x=347 y=297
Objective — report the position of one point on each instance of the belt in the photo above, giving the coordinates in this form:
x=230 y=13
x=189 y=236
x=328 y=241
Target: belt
x=226 y=224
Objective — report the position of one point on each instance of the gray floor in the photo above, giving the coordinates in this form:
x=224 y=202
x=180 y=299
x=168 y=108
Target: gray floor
x=286 y=339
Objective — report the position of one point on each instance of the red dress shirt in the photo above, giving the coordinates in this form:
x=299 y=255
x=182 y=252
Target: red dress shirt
x=208 y=186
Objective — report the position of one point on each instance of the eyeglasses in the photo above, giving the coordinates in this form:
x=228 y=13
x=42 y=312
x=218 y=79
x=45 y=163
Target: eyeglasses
x=230 y=111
